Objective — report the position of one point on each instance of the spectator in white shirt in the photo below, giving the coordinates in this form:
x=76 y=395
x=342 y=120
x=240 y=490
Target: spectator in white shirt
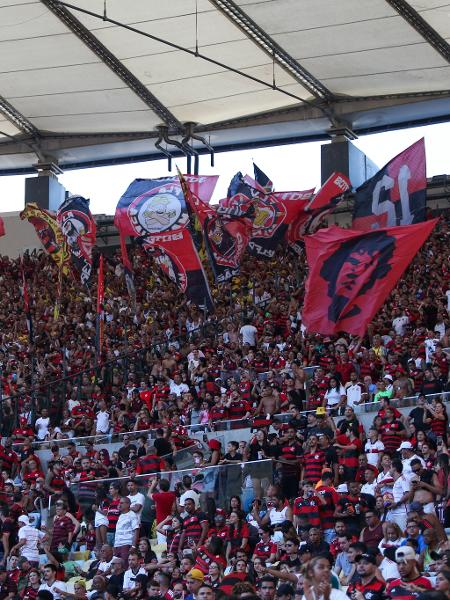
x=354 y=391
x=136 y=499
x=400 y=491
x=407 y=453
x=106 y=557
x=370 y=475
x=51 y=584
x=41 y=425
x=102 y=423
x=29 y=539
x=177 y=387
x=127 y=530
x=248 y=333
x=400 y=322
x=373 y=448
x=134 y=569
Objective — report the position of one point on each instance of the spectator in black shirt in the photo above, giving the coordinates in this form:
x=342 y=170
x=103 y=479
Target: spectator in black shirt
x=126 y=449
x=420 y=416
x=430 y=384
x=315 y=542
x=117 y=572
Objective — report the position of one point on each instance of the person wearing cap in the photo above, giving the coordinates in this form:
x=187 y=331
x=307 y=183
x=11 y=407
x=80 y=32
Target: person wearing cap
x=220 y=529
x=388 y=380
x=408 y=455
x=411 y=582
x=367 y=586
x=29 y=540
x=194 y=581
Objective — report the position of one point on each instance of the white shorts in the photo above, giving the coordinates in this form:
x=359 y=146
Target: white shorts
x=100 y=519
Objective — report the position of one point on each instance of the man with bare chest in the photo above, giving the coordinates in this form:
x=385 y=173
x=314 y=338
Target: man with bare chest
x=269 y=403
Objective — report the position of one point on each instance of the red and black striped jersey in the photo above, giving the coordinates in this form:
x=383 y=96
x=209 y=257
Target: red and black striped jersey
x=399 y=589
x=192 y=526
x=374 y=590
x=313 y=463
x=308 y=508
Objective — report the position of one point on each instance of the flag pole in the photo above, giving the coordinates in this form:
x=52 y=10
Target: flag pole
x=27 y=307
x=100 y=301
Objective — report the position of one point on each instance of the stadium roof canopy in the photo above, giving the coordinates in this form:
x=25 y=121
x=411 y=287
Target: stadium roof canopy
x=91 y=82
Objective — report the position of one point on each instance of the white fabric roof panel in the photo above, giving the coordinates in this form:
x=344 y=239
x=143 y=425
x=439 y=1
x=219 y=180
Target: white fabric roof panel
x=57 y=82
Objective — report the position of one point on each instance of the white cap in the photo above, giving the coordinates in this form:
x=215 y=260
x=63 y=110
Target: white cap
x=24 y=519
x=406 y=446
x=404 y=553
x=342 y=488
x=388 y=377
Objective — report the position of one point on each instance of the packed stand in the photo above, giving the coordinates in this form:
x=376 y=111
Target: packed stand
x=307 y=503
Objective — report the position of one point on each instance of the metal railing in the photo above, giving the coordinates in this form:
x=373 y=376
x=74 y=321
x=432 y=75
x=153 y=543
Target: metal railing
x=219 y=482
x=236 y=425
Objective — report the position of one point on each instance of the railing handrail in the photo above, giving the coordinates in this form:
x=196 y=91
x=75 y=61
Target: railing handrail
x=205 y=427
x=241 y=465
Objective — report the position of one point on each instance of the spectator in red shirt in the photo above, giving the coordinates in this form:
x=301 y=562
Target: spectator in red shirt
x=164 y=501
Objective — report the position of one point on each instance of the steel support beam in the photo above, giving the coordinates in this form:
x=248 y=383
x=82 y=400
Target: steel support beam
x=429 y=34
x=17 y=118
x=110 y=60
x=266 y=43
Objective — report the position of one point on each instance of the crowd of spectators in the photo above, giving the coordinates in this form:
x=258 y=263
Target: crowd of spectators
x=302 y=500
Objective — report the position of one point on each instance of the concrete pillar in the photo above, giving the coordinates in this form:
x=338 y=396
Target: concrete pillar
x=341 y=155
x=45 y=189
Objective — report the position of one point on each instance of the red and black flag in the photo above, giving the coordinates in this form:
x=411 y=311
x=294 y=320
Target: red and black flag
x=225 y=237
x=49 y=234
x=79 y=230
x=26 y=303
x=335 y=186
x=100 y=317
x=2 y=227
x=155 y=212
x=351 y=273
x=274 y=214
x=262 y=179
x=321 y=204
x=396 y=195
x=202 y=186
x=240 y=196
